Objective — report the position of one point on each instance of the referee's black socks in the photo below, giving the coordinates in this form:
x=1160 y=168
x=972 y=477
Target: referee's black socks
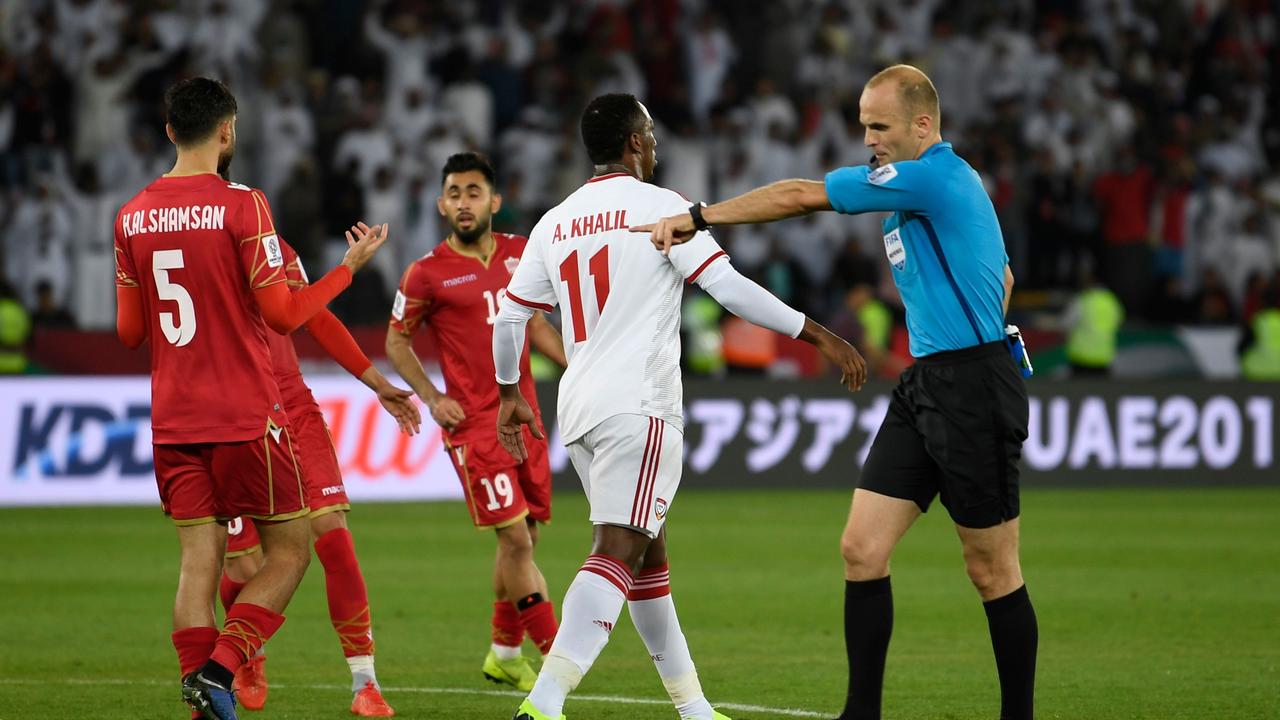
x=868 y=623
x=1014 y=636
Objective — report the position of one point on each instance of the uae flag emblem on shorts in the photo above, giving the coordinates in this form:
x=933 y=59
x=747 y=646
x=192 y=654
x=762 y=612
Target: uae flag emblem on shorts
x=660 y=508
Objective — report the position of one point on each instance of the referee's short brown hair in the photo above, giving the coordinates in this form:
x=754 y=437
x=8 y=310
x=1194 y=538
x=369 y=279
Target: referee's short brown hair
x=915 y=91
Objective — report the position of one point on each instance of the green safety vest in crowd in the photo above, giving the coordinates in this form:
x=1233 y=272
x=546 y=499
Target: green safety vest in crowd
x=1092 y=342
x=15 y=326
x=701 y=319
x=1262 y=360
x=543 y=367
x=876 y=321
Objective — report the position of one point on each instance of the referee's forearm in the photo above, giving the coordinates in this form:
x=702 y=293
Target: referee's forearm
x=776 y=201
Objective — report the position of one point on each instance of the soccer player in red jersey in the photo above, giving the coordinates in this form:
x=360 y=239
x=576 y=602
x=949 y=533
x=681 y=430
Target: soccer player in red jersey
x=327 y=498
x=199 y=271
x=456 y=290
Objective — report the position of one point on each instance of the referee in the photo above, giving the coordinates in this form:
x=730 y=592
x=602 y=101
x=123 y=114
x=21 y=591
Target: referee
x=958 y=417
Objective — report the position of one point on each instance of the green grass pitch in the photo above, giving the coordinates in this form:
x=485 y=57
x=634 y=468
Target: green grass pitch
x=1160 y=604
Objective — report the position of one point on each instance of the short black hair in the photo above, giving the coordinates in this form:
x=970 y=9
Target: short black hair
x=607 y=123
x=194 y=107
x=466 y=162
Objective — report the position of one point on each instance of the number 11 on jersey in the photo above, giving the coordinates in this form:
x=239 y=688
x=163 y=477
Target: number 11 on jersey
x=598 y=267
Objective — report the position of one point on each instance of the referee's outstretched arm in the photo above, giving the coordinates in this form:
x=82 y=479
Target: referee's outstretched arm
x=777 y=201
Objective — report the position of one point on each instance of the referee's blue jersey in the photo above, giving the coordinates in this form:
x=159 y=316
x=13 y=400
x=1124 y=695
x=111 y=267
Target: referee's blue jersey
x=943 y=243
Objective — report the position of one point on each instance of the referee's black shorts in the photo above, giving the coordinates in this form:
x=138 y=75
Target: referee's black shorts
x=954 y=428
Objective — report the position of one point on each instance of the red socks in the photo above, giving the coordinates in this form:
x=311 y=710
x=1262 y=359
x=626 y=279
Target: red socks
x=228 y=591
x=507 y=628
x=194 y=646
x=538 y=617
x=348 y=598
x=246 y=630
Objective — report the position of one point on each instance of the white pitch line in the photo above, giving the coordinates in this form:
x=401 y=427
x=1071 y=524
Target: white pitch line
x=615 y=699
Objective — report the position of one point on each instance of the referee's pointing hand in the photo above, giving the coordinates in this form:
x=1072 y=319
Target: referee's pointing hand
x=668 y=231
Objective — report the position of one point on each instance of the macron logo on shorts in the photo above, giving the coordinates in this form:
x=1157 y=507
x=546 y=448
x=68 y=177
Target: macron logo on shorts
x=275 y=432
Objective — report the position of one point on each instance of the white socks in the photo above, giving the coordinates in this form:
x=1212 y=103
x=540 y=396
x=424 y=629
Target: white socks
x=590 y=609
x=655 y=619
x=503 y=652
x=361 y=672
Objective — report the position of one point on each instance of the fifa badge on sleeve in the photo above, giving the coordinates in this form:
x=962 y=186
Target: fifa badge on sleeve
x=1018 y=349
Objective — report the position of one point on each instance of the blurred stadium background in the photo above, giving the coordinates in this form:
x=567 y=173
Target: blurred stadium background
x=1132 y=151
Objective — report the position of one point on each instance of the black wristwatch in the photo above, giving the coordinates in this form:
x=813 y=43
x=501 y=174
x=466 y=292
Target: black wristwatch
x=695 y=211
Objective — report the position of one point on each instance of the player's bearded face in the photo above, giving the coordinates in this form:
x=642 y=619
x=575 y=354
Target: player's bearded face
x=224 y=157
x=650 y=158
x=470 y=224
x=467 y=203
x=648 y=146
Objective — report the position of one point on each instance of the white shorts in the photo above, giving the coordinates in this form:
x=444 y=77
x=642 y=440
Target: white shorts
x=630 y=467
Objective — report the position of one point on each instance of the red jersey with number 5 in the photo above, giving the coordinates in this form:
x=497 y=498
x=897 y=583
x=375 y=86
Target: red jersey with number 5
x=197 y=247
x=458 y=297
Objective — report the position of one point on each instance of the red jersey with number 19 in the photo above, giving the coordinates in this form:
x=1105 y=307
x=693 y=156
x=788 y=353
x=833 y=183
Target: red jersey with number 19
x=458 y=296
x=198 y=247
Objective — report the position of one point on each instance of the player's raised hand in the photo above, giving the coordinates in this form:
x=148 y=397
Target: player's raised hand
x=668 y=231
x=513 y=413
x=362 y=242
x=400 y=404
x=447 y=412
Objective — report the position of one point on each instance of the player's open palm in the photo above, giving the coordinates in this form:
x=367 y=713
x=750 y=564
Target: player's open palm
x=853 y=368
x=399 y=403
x=447 y=412
x=362 y=242
x=513 y=413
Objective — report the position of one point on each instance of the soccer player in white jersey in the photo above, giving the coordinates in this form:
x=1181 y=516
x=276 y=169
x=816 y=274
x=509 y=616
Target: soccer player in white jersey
x=620 y=405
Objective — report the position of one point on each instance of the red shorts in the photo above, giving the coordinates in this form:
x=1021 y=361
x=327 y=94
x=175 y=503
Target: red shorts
x=242 y=537
x=499 y=490
x=321 y=478
x=209 y=482
x=319 y=462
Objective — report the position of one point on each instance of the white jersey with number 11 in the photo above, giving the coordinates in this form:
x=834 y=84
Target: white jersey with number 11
x=619 y=299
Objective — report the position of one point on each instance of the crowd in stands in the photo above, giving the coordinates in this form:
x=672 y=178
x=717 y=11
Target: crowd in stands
x=1137 y=140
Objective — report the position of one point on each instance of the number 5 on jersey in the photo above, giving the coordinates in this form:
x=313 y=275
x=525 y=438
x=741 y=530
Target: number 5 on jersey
x=162 y=261
x=598 y=267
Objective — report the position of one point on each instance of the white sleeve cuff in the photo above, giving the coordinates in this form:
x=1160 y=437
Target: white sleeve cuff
x=749 y=301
